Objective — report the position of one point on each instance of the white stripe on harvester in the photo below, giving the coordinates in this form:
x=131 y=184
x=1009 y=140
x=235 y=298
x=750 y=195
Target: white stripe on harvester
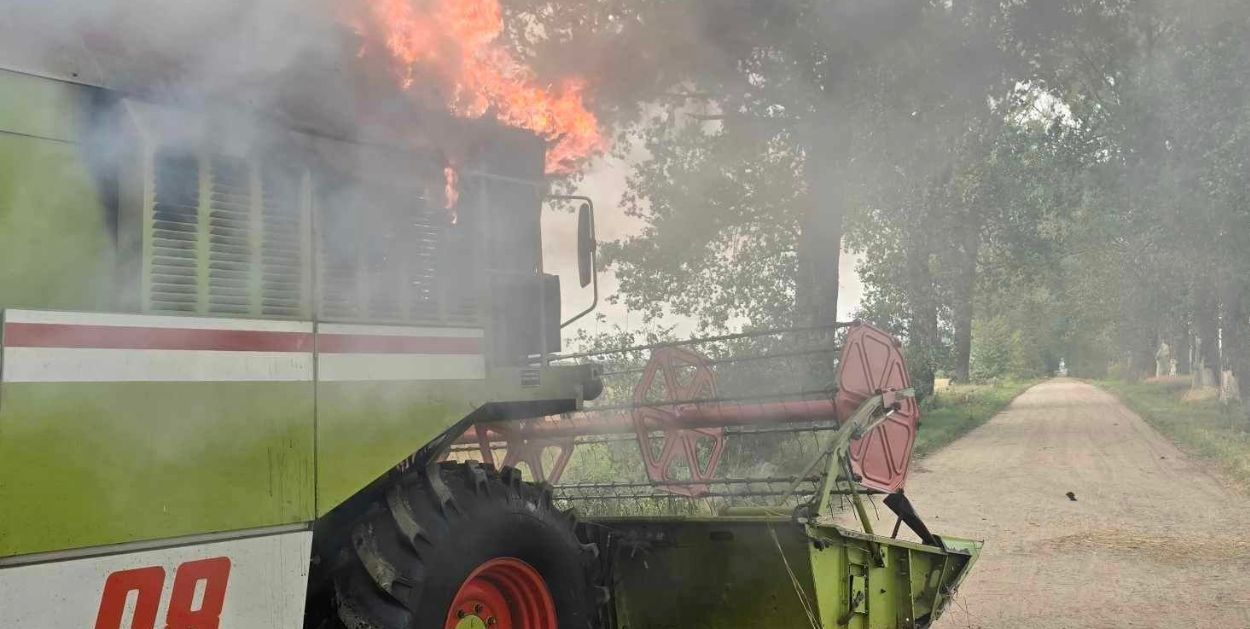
x=399 y=367
x=397 y=330
x=49 y=364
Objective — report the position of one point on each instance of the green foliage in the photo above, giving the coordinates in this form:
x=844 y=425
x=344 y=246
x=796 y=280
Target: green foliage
x=1025 y=182
x=722 y=219
x=991 y=349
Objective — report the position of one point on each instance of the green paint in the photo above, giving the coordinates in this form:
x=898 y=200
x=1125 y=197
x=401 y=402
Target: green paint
x=863 y=581
x=53 y=236
x=87 y=464
x=740 y=573
x=43 y=108
x=365 y=428
x=55 y=251
x=91 y=464
x=726 y=574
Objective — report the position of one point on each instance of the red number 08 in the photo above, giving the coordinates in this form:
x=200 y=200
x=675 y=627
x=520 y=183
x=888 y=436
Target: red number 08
x=149 y=585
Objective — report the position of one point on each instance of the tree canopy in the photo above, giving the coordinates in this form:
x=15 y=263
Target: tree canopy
x=1024 y=182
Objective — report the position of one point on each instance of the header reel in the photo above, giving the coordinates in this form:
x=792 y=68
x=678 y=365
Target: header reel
x=693 y=409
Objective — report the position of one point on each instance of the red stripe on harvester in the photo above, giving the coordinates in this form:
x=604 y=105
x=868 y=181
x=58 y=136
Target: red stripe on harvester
x=118 y=337
x=371 y=344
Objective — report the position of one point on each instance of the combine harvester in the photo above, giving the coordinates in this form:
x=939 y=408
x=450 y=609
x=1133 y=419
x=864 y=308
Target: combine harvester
x=270 y=370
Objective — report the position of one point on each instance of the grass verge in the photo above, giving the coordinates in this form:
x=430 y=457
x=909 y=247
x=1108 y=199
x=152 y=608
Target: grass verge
x=1200 y=425
x=956 y=410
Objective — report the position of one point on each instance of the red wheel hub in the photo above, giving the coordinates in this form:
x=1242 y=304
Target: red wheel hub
x=502 y=593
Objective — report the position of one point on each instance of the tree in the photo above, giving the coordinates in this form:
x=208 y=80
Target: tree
x=1065 y=177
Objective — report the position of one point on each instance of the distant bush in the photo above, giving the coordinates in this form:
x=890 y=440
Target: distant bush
x=991 y=350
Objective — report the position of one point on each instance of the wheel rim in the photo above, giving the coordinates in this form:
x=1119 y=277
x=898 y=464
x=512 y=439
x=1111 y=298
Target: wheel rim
x=503 y=593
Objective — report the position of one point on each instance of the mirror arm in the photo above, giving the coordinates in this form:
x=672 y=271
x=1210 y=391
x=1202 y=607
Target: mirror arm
x=593 y=304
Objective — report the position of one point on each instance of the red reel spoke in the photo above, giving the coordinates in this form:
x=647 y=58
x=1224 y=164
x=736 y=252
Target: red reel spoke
x=678 y=443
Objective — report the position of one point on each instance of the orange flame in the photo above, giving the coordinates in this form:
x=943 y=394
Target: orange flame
x=456 y=42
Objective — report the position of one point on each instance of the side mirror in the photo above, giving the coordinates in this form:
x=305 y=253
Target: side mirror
x=586 y=244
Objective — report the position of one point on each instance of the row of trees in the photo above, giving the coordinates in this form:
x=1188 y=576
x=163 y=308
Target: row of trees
x=1026 y=181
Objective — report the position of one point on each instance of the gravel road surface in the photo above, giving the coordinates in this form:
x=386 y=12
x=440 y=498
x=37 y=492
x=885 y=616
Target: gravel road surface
x=1153 y=538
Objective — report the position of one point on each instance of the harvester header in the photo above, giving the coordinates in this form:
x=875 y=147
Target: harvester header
x=686 y=399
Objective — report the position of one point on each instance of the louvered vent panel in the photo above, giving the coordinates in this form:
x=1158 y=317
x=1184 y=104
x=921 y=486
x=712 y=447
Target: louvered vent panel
x=386 y=250
x=175 y=225
x=229 y=252
x=425 y=233
x=385 y=257
x=459 y=289
x=282 y=257
x=464 y=308
x=339 y=265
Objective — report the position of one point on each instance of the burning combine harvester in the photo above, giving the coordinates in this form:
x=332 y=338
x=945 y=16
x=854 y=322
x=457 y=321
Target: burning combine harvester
x=271 y=357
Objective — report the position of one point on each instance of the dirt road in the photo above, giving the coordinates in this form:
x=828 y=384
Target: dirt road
x=1152 y=540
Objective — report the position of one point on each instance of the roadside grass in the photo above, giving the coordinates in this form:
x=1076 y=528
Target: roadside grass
x=1202 y=426
x=954 y=411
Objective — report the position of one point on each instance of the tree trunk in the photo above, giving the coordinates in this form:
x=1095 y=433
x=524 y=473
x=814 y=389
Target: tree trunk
x=1236 y=351
x=923 y=335
x=1180 y=351
x=1207 y=349
x=1142 y=359
x=963 y=302
x=820 y=239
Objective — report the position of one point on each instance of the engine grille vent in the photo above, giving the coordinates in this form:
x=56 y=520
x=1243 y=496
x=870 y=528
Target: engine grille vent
x=384 y=258
x=230 y=248
x=231 y=236
x=173 y=270
x=283 y=250
x=226 y=238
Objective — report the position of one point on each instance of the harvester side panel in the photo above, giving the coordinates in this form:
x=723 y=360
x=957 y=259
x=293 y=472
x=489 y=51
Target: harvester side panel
x=55 y=246
x=118 y=428
x=383 y=392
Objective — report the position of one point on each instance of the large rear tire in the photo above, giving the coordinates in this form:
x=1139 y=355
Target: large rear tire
x=462 y=542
